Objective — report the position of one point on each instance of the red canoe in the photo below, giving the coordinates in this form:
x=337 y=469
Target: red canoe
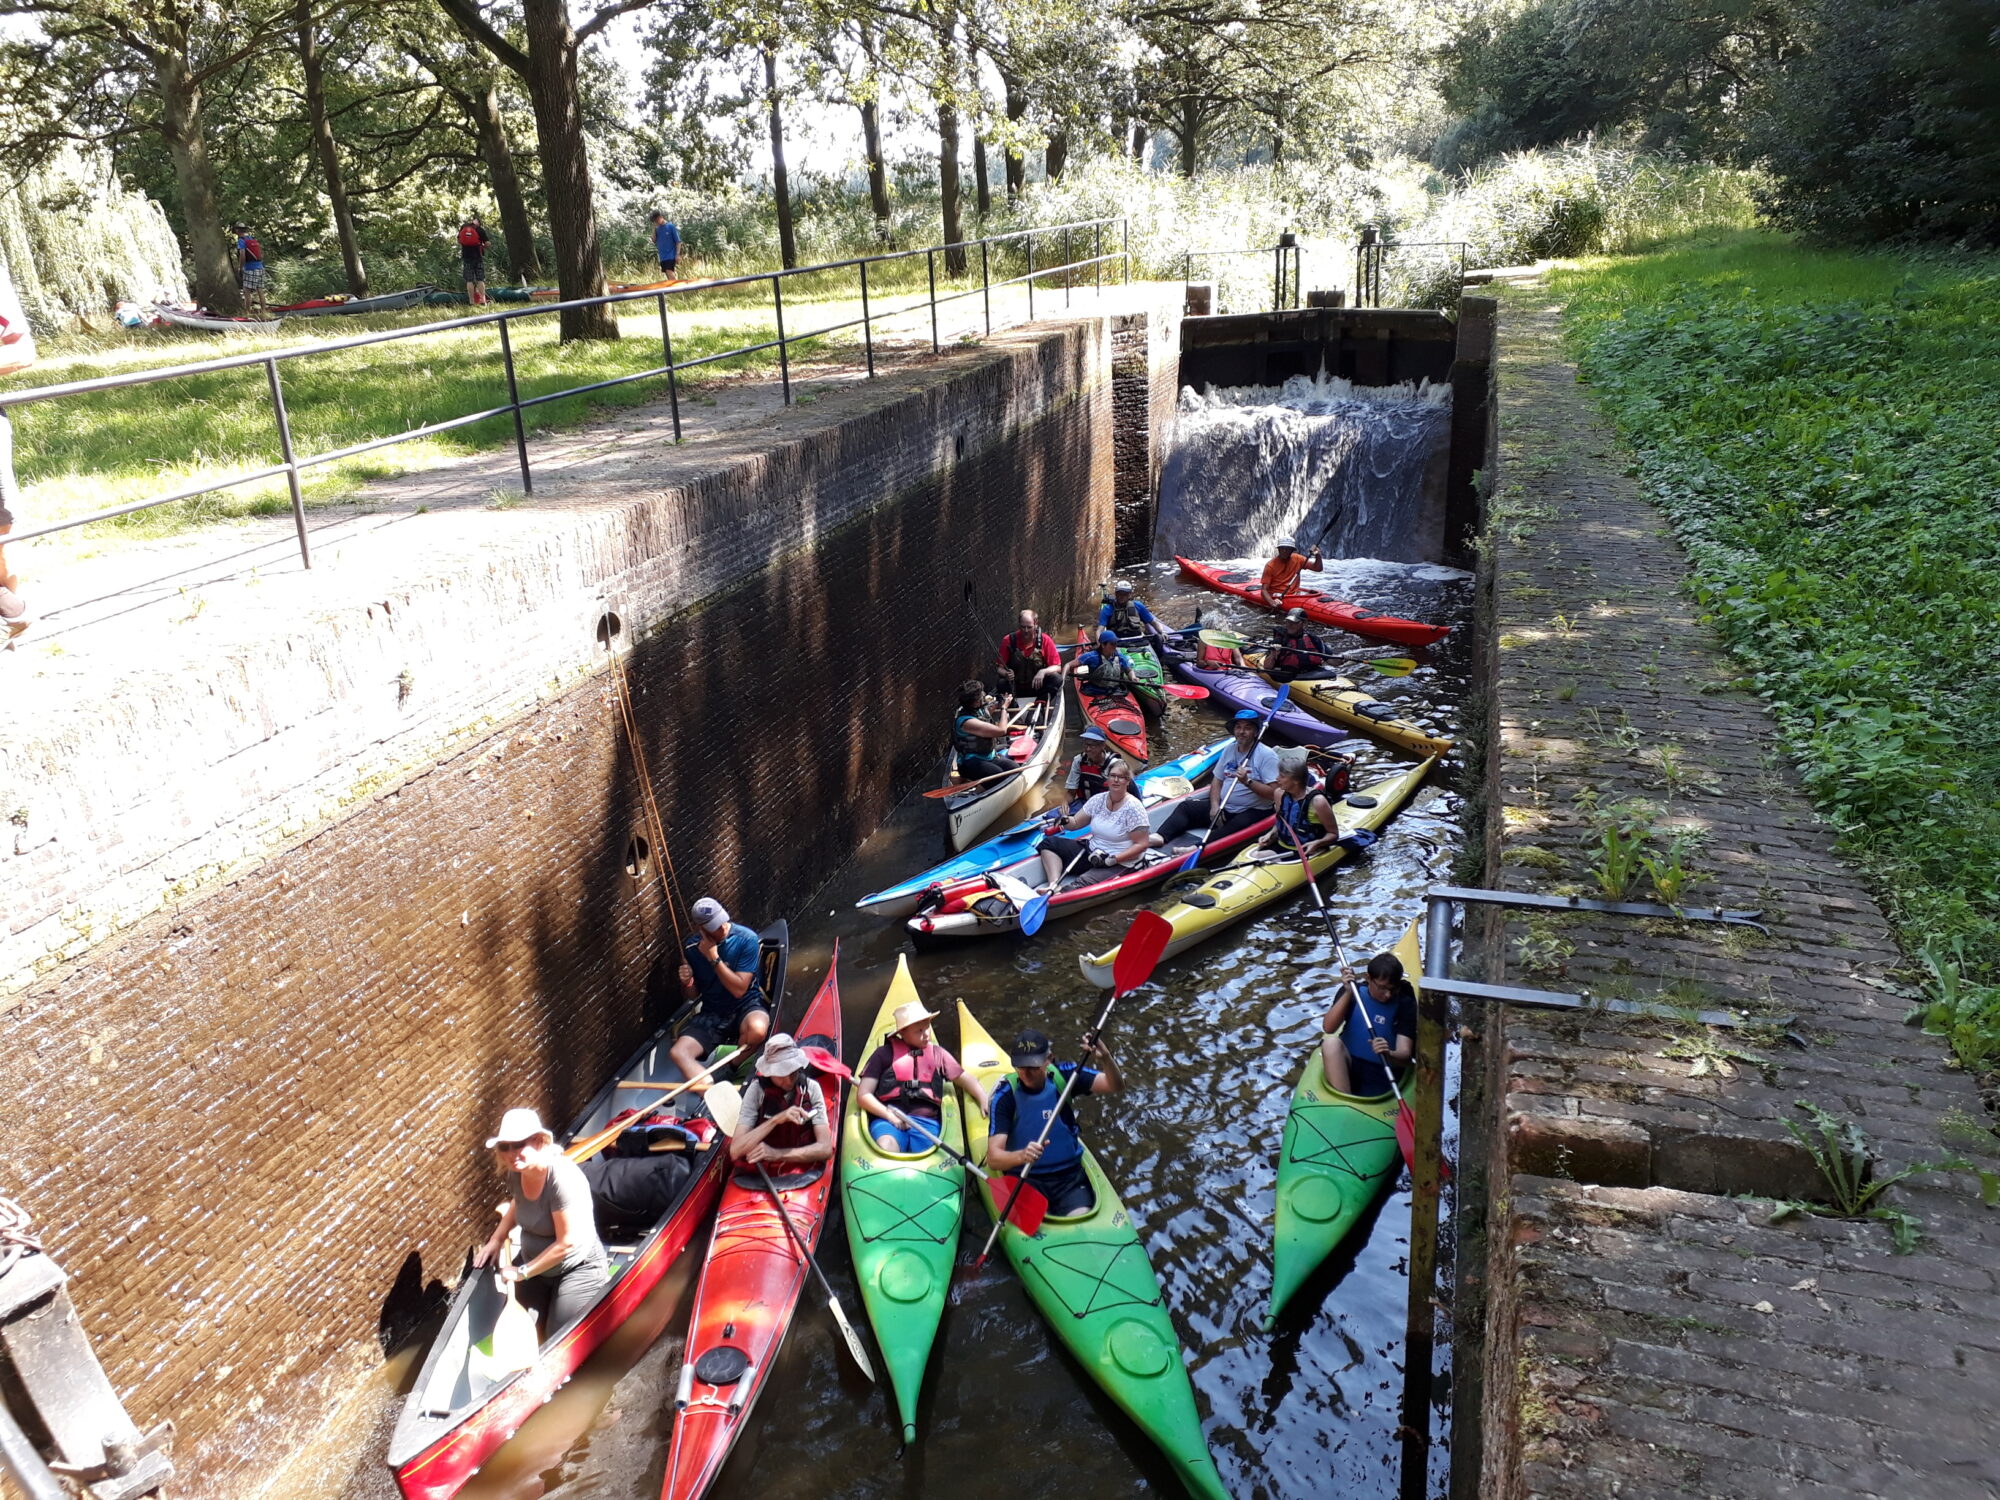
x=456 y=1415
x=1117 y=714
x=1324 y=608
x=749 y=1287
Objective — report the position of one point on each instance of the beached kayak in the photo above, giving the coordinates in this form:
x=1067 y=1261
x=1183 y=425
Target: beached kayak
x=1324 y=608
x=902 y=1216
x=1340 y=702
x=1232 y=688
x=749 y=1288
x=1035 y=748
x=1339 y=1153
x=1256 y=879
x=321 y=307
x=1117 y=714
x=1089 y=1276
x=207 y=322
x=902 y=898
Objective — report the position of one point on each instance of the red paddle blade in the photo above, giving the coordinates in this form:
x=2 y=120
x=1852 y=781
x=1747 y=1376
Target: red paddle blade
x=1028 y=1214
x=1145 y=940
x=825 y=1062
x=1406 y=1137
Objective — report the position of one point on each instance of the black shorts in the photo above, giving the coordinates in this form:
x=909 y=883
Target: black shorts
x=475 y=264
x=668 y=265
x=1066 y=1188
x=714 y=1031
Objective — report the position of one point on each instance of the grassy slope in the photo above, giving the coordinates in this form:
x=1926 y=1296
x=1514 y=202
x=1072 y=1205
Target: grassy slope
x=1821 y=429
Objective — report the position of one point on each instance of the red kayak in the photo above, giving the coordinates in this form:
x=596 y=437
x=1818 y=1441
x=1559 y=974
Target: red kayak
x=750 y=1285
x=1324 y=608
x=1117 y=714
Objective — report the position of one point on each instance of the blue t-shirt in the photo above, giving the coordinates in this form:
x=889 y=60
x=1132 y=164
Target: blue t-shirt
x=667 y=240
x=1365 y=1071
x=1020 y=1116
x=1138 y=608
x=740 y=951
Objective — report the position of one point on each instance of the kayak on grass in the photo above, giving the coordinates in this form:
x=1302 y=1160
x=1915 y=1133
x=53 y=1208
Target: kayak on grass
x=901 y=899
x=1116 y=713
x=208 y=322
x=320 y=307
x=456 y=1416
x=1036 y=747
x=1318 y=606
x=1089 y=1276
x=1233 y=688
x=1256 y=878
x=1339 y=1153
x=1340 y=702
x=749 y=1287
x=902 y=1212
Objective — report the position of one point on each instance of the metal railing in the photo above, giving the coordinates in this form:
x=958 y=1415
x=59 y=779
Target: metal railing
x=292 y=464
x=1285 y=272
x=1372 y=249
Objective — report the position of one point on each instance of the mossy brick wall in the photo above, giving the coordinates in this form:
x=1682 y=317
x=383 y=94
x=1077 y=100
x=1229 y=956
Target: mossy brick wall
x=248 y=1126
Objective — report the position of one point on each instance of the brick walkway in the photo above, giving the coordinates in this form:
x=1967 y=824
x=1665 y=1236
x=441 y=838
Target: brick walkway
x=1652 y=1332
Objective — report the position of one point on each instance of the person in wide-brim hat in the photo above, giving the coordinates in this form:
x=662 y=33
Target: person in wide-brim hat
x=901 y=1085
x=783 y=1124
x=562 y=1267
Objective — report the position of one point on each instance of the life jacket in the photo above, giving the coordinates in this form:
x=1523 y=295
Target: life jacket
x=912 y=1083
x=965 y=742
x=1125 y=618
x=470 y=237
x=1288 y=654
x=1216 y=656
x=786 y=1137
x=1031 y=1111
x=1026 y=656
x=1299 y=814
x=1355 y=1035
x=1112 y=672
x=251 y=248
x=1089 y=779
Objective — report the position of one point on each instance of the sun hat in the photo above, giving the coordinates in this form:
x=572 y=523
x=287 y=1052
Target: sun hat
x=781 y=1055
x=1122 y=586
x=1295 y=616
x=908 y=1014
x=708 y=914
x=519 y=1125
x=1030 y=1050
x=1285 y=543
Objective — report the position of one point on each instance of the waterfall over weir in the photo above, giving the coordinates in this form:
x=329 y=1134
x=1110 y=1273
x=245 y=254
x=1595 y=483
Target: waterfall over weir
x=1250 y=464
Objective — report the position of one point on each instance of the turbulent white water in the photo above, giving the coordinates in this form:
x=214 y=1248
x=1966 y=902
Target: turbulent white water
x=1249 y=464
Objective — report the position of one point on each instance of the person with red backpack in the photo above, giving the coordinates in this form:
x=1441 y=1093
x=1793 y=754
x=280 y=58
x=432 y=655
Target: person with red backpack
x=901 y=1084
x=472 y=242
x=17 y=352
x=249 y=257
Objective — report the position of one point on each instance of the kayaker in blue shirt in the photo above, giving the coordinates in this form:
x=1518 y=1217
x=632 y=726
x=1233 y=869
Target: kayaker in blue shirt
x=1022 y=1105
x=1104 y=669
x=719 y=969
x=667 y=241
x=1356 y=1060
x=1125 y=614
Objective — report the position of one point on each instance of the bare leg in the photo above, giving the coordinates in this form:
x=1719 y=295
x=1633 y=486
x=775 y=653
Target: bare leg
x=686 y=1053
x=1333 y=1058
x=756 y=1026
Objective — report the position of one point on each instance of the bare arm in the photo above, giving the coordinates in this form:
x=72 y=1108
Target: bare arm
x=485 y=1254
x=549 y=1259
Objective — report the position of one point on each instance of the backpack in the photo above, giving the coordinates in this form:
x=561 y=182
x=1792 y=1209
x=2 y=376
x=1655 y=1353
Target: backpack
x=252 y=249
x=470 y=237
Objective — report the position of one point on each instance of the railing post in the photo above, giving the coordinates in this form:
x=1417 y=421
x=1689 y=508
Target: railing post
x=291 y=466
x=930 y=264
x=867 y=327
x=1069 y=263
x=667 y=353
x=514 y=400
x=1125 y=228
x=1426 y=1092
x=1031 y=275
x=1097 y=254
x=986 y=286
x=784 y=361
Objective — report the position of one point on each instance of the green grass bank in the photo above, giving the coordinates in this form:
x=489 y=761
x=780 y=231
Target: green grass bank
x=1822 y=430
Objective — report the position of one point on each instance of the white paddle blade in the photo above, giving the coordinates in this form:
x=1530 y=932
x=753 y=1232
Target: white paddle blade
x=853 y=1340
x=725 y=1106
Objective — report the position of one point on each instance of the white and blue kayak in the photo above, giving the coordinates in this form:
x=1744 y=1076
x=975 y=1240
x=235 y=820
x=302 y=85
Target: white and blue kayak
x=901 y=900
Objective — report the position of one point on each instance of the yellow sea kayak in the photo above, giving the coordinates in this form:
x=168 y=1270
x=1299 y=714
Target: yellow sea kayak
x=1338 y=701
x=1257 y=878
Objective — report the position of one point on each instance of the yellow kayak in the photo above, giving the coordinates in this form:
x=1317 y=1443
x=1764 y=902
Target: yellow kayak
x=1338 y=701
x=1257 y=878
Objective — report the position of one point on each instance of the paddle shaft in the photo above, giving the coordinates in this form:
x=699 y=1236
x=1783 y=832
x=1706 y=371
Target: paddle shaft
x=1241 y=771
x=917 y=1122
x=590 y=1145
x=833 y=1301
x=1229 y=641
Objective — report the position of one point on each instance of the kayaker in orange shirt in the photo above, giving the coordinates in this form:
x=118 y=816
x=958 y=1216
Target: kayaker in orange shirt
x=1281 y=573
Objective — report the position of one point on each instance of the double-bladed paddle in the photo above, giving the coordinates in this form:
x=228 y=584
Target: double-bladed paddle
x=590 y=1145
x=854 y=1345
x=1193 y=856
x=1388 y=666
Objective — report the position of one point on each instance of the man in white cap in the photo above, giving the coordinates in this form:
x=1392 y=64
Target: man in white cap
x=562 y=1269
x=783 y=1125
x=719 y=969
x=1126 y=613
x=1281 y=573
x=901 y=1085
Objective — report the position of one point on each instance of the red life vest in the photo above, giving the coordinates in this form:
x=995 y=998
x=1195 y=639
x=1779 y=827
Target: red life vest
x=1216 y=656
x=912 y=1081
x=1289 y=653
x=786 y=1137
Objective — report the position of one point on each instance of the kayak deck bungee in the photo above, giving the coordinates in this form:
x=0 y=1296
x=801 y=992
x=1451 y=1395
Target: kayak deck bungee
x=1117 y=714
x=902 y=1213
x=991 y=905
x=1152 y=680
x=1036 y=746
x=1324 y=608
x=1339 y=1152
x=749 y=1288
x=1339 y=701
x=903 y=898
x=1234 y=688
x=1089 y=1276
x=1256 y=879
x=453 y=1421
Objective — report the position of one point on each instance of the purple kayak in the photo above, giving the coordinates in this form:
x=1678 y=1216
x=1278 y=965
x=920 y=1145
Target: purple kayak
x=1232 y=688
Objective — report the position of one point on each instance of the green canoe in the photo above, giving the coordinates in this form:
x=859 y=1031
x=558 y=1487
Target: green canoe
x=1339 y=1152
x=902 y=1217
x=1090 y=1277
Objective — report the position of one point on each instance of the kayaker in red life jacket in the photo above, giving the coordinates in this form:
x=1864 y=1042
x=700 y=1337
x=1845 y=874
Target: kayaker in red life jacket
x=1029 y=656
x=1022 y=1105
x=1357 y=1061
x=1295 y=651
x=1103 y=670
x=1086 y=772
x=901 y=1085
x=783 y=1124
x=1218 y=658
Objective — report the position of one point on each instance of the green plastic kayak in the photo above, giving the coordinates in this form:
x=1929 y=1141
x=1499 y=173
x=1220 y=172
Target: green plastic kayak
x=1152 y=678
x=1089 y=1275
x=1339 y=1152
x=902 y=1215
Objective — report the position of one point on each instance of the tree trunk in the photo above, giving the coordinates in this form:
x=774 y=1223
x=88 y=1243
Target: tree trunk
x=1056 y=156
x=552 y=86
x=1190 y=135
x=954 y=230
x=871 y=143
x=982 y=190
x=312 y=67
x=781 y=183
x=208 y=245
x=1277 y=147
x=1017 y=166
x=1141 y=137
x=517 y=232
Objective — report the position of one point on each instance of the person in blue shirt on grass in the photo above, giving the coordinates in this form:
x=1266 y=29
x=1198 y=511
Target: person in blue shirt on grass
x=667 y=241
x=719 y=969
x=1022 y=1105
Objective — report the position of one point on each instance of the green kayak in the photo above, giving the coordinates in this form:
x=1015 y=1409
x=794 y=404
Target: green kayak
x=1090 y=1277
x=902 y=1217
x=1339 y=1152
x=1152 y=677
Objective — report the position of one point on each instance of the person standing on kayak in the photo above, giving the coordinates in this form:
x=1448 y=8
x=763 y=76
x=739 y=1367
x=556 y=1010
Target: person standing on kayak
x=901 y=1085
x=1120 y=833
x=562 y=1268
x=1281 y=573
x=783 y=1125
x=472 y=243
x=1240 y=793
x=1022 y=1105
x=1029 y=656
x=1105 y=669
x=980 y=743
x=1295 y=651
x=1086 y=772
x=1357 y=1060
x=719 y=970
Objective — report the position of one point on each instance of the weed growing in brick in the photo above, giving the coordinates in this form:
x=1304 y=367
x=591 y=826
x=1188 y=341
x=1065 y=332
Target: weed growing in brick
x=1840 y=1151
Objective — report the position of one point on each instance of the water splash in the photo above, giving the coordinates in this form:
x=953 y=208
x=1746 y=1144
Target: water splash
x=1250 y=464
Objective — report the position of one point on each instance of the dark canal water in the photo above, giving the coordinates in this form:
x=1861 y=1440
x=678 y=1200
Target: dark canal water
x=1209 y=1049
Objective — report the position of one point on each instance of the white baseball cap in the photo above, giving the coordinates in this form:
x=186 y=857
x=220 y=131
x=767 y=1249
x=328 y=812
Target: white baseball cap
x=709 y=914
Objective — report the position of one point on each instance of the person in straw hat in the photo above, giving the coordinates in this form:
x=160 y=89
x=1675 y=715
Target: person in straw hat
x=783 y=1123
x=903 y=1081
x=562 y=1267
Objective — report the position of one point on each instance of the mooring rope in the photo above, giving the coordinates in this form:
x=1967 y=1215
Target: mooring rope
x=15 y=1239
x=669 y=880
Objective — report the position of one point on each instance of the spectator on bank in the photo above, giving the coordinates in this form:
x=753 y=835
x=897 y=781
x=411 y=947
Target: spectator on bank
x=472 y=243
x=249 y=257
x=13 y=611
x=667 y=241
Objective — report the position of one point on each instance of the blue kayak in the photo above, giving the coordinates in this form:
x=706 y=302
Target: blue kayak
x=900 y=900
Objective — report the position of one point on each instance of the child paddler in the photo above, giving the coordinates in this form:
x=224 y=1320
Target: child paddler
x=1022 y=1106
x=901 y=1084
x=1357 y=1057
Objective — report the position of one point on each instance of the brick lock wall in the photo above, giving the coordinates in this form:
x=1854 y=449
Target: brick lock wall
x=250 y=1130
